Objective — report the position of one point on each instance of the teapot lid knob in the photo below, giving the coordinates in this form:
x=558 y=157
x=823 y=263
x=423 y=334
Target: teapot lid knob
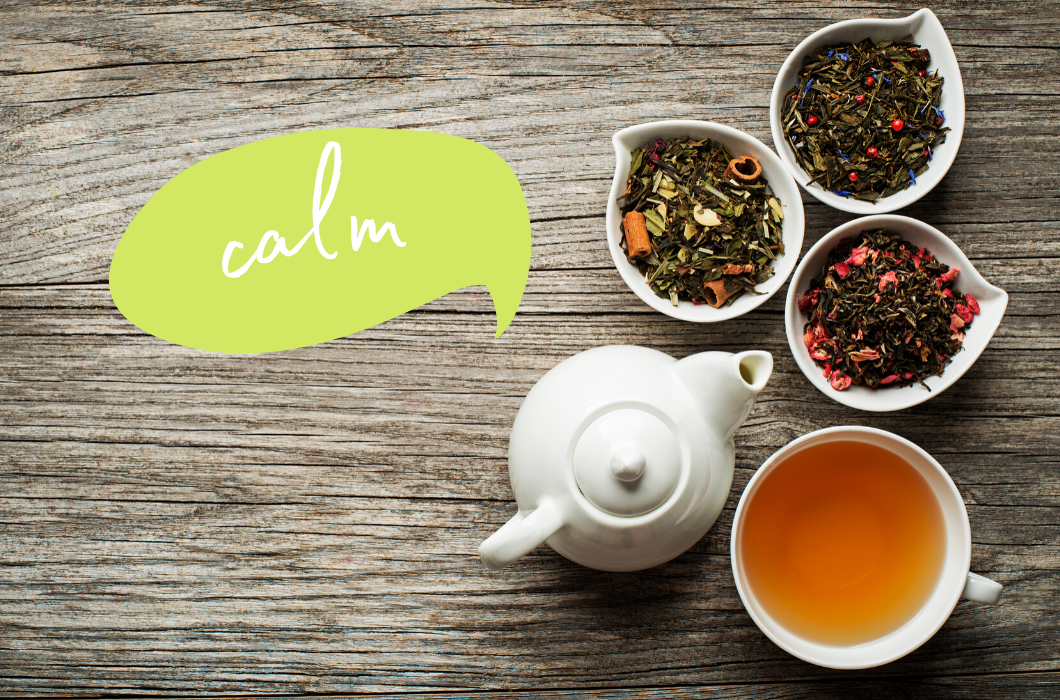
x=627 y=462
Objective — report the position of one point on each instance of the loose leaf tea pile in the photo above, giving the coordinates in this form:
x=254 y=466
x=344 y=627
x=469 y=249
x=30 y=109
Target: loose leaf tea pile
x=864 y=118
x=700 y=225
x=884 y=313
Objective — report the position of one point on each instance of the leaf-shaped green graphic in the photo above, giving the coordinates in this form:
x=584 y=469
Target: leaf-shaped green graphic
x=303 y=238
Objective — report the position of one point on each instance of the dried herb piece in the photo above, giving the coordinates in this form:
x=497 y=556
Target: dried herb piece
x=884 y=313
x=864 y=118
x=715 y=224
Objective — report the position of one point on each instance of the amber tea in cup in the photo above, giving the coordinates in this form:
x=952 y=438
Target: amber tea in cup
x=843 y=542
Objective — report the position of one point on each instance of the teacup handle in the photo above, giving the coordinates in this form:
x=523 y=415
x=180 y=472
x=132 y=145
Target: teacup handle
x=981 y=589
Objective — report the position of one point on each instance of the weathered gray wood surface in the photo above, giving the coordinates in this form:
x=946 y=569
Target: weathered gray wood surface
x=174 y=521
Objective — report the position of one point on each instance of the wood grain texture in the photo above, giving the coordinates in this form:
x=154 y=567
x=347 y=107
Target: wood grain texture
x=179 y=522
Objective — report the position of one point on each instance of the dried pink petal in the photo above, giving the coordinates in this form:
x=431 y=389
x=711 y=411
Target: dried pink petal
x=857 y=256
x=949 y=276
x=972 y=303
x=946 y=292
x=889 y=378
x=842 y=269
x=839 y=381
x=888 y=278
x=823 y=349
x=807 y=302
x=956 y=322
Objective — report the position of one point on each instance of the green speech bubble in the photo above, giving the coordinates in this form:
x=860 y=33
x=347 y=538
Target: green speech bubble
x=307 y=237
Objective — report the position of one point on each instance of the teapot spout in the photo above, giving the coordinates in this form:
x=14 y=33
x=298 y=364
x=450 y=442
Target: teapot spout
x=725 y=385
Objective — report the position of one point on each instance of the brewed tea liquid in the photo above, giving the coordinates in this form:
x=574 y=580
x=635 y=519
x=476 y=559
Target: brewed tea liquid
x=842 y=543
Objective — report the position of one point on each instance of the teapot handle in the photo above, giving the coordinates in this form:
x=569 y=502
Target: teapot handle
x=519 y=535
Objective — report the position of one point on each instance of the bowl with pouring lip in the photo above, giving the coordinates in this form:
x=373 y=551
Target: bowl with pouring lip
x=992 y=304
x=926 y=31
x=780 y=181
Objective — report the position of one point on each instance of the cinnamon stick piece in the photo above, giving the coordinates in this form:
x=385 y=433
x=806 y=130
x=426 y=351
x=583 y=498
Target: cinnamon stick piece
x=638 y=242
x=746 y=169
x=716 y=294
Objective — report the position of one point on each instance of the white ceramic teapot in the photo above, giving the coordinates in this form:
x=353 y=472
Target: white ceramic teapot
x=622 y=457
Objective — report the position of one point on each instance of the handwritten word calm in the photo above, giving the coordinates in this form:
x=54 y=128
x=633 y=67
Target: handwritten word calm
x=319 y=210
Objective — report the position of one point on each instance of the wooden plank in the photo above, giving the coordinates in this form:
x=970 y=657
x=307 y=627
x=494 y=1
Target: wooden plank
x=1024 y=685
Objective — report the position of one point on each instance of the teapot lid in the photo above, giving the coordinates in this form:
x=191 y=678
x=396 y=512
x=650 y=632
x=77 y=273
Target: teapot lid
x=627 y=462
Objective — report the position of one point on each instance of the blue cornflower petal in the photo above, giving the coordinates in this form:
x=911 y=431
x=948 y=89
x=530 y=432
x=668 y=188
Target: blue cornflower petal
x=844 y=56
x=843 y=156
x=804 y=91
x=912 y=176
x=830 y=52
x=939 y=112
x=842 y=192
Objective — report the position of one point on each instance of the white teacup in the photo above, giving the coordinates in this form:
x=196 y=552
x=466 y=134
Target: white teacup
x=955 y=580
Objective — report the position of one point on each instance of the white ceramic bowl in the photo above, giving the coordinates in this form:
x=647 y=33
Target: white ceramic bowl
x=739 y=143
x=992 y=303
x=927 y=31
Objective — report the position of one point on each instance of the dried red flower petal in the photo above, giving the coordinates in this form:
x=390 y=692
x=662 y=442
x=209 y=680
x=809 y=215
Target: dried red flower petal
x=807 y=302
x=956 y=322
x=839 y=381
x=972 y=303
x=858 y=256
x=842 y=269
x=889 y=378
x=950 y=275
x=821 y=350
x=888 y=278
x=964 y=312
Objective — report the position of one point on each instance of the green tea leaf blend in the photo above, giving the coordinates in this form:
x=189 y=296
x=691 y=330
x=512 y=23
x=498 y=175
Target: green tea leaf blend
x=863 y=119
x=701 y=225
x=884 y=313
